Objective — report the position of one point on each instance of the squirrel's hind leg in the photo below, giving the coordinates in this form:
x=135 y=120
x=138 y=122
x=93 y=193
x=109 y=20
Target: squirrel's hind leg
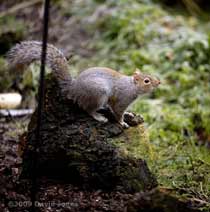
x=100 y=103
x=91 y=96
x=97 y=104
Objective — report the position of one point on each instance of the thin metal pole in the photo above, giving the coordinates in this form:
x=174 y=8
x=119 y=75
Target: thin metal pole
x=34 y=187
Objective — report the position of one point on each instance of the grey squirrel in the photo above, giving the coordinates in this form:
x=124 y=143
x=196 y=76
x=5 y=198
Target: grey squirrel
x=93 y=88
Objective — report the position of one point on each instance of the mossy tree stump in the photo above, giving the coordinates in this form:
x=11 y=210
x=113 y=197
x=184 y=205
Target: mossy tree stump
x=76 y=148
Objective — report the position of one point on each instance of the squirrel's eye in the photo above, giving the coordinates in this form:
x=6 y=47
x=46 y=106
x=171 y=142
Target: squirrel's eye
x=146 y=81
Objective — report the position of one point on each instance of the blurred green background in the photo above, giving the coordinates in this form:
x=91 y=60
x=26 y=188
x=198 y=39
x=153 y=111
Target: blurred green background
x=170 y=39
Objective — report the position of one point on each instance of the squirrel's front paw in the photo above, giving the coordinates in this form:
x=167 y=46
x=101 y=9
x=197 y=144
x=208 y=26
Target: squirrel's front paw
x=128 y=114
x=124 y=125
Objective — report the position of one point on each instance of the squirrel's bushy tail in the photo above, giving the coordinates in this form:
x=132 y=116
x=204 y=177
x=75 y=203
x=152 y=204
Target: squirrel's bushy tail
x=26 y=52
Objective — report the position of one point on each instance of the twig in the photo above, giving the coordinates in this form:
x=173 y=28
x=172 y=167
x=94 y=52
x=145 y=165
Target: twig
x=19 y=7
x=192 y=6
x=204 y=202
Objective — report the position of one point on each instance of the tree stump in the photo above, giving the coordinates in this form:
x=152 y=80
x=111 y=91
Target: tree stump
x=76 y=148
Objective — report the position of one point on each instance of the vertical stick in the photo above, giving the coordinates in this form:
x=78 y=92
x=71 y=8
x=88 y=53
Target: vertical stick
x=40 y=105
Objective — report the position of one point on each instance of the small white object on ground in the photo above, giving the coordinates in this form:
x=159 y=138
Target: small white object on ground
x=10 y=100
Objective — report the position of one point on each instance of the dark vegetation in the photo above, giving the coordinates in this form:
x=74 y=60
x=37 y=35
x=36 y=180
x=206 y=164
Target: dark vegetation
x=170 y=40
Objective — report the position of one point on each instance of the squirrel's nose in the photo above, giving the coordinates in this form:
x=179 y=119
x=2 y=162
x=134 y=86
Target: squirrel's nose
x=158 y=82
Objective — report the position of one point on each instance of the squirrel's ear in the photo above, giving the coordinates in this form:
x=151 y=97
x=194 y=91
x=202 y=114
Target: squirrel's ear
x=136 y=75
x=137 y=72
